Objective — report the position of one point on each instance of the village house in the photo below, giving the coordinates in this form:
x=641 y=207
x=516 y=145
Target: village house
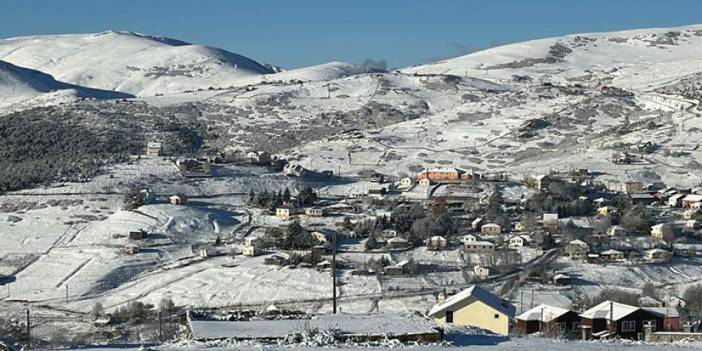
x=561 y=279
x=475 y=307
x=425 y=183
x=259 y=157
x=642 y=199
x=689 y=200
x=479 y=246
x=519 y=227
x=676 y=200
x=616 y=231
x=549 y=320
x=671 y=317
x=250 y=251
x=403 y=267
x=440 y=174
x=282 y=213
x=389 y=233
x=294 y=170
x=606 y=211
x=320 y=236
x=177 y=199
x=632 y=187
x=437 y=242
x=550 y=221
x=153 y=149
x=519 y=241
x=662 y=231
x=684 y=250
x=275 y=260
x=481 y=272
x=490 y=229
x=376 y=177
x=468 y=238
x=137 y=234
x=131 y=249
x=314 y=212
x=397 y=243
x=406 y=182
x=657 y=255
x=611 y=255
x=539 y=182
x=692 y=225
x=612 y=319
x=377 y=193
x=577 y=248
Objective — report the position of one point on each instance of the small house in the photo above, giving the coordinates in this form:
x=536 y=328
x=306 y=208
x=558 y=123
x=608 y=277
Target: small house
x=314 y=212
x=539 y=182
x=657 y=255
x=425 y=183
x=676 y=200
x=275 y=260
x=153 y=149
x=661 y=231
x=440 y=174
x=550 y=221
x=320 y=236
x=137 y=234
x=490 y=229
x=481 y=272
x=606 y=211
x=519 y=227
x=478 y=246
x=376 y=177
x=324 y=266
x=561 y=279
x=177 y=199
x=689 y=200
x=294 y=170
x=548 y=320
x=282 y=213
x=131 y=249
x=577 y=248
x=259 y=157
x=437 y=242
x=406 y=182
x=632 y=187
x=642 y=199
x=671 y=317
x=684 y=250
x=475 y=307
x=250 y=251
x=612 y=255
x=616 y=231
x=397 y=243
x=377 y=193
x=519 y=241
x=612 y=319
x=692 y=224
x=468 y=238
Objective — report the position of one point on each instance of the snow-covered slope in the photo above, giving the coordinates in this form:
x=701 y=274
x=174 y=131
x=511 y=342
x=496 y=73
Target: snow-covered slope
x=19 y=84
x=630 y=59
x=129 y=62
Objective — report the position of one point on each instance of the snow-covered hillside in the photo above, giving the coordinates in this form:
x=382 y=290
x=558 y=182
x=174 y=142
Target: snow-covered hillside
x=129 y=62
x=22 y=85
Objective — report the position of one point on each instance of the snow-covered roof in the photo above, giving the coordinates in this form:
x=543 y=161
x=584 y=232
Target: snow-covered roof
x=577 y=242
x=609 y=310
x=491 y=225
x=479 y=294
x=610 y=252
x=693 y=198
x=670 y=312
x=483 y=242
x=397 y=239
x=477 y=220
x=657 y=250
x=543 y=313
x=443 y=170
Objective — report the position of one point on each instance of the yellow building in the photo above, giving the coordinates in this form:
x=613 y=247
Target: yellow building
x=475 y=307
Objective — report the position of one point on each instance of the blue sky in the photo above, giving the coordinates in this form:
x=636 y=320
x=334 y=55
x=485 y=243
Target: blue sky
x=301 y=33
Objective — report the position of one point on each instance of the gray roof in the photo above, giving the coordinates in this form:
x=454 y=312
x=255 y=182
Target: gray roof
x=478 y=294
x=671 y=312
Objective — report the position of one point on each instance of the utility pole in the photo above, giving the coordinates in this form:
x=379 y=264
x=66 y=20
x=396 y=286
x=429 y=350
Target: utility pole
x=521 y=301
x=66 y=293
x=160 y=329
x=29 y=335
x=531 y=305
x=334 y=270
x=611 y=319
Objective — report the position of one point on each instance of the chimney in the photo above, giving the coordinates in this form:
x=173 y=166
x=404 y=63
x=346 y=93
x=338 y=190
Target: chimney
x=441 y=297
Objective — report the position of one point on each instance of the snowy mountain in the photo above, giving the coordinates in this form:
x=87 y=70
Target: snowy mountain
x=129 y=62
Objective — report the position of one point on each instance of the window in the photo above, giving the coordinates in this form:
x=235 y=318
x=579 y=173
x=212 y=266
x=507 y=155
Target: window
x=562 y=327
x=628 y=326
x=576 y=326
x=653 y=324
x=497 y=316
x=449 y=316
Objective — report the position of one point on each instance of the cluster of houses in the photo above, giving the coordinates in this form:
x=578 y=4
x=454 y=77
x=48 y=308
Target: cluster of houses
x=479 y=308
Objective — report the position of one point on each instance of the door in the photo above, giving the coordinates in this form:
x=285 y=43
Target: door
x=449 y=316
